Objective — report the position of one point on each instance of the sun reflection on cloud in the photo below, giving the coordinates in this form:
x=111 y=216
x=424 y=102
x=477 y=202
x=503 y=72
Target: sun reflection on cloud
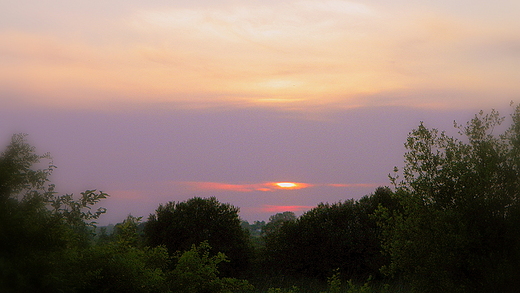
x=291 y=185
x=286 y=184
x=265 y=186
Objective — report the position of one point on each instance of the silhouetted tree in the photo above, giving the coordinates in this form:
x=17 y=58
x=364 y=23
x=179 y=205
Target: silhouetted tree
x=38 y=230
x=179 y=225
x=198 y=272
x=458 y=229
x=277 y=221
x=121 y=264
x=341 y=235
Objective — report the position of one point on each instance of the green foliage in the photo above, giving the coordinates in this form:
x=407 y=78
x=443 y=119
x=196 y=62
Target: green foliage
x=335 y=286
x=37 y=228
x=457 y=228
x=293 y=289
x=126 y=233
x=277 y=221
x=369 y=287
x=255 y=229
x=77 y=216
x=18 y=179
x=334 y=283
x=197 y=272
x=341 y=235
x=123 y=265
x=255 y=233
x=118 y=264
x=78 y=212
x=180 y=225
x=116 y=267
x=451 y=225
x=365 y=288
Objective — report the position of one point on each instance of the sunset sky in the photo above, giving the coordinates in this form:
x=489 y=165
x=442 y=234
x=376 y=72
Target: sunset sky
x=153 y=101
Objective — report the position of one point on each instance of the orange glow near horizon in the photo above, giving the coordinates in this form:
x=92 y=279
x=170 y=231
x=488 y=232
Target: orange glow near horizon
x=281 y=209
x=266 y=186
x=291 y=185
x=285 y=185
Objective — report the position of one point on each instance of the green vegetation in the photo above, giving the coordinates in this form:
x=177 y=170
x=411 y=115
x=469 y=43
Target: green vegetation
x=449 y=224
x=197 y=271
x=180 y=225
x=458 y=226
x=330 y=236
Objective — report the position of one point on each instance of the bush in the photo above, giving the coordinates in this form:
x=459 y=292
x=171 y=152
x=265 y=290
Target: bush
x=197 y=272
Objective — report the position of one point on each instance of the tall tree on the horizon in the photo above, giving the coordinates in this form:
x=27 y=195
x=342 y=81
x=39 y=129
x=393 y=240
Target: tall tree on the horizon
x=179 y=225
x=458 y=229
x=276 y=221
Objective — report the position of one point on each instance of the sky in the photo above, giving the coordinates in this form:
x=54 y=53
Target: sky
x=157 y=101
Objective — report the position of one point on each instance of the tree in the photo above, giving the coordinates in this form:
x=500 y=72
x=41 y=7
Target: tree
x=179 y=225
x=121 y=265
x=127 y=232
x=46 y=240
x=197 y=272
x=277 y=221
x=255 y=234
x=37 y=227
x=341 y=235
x=457 y=228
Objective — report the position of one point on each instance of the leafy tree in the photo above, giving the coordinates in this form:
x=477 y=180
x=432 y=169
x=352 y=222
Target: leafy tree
x=341 y=235
x=255 y=234
x=334 y=283
x=457 y=230
x=179 y=225
x=276 y=222
x=37 y=227
x=293 y=289
x=127 y=233
x=122 y=265
x=197 y=272
x=254 y=229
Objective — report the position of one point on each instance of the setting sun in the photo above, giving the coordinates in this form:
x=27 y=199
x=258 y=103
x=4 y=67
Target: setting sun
x=286 y=184
x=290 y=185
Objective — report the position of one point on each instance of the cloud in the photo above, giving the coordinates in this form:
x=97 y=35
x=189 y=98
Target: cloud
x=338 y=7
x=256 y=54
x=266 y=186
x=282 y=208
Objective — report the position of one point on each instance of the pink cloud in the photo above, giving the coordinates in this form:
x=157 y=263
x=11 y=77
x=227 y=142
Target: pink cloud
x=265 y=186
x=280 y=209
x=221 y=186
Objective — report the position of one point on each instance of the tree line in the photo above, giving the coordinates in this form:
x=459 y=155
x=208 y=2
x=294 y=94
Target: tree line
x=449 y=222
